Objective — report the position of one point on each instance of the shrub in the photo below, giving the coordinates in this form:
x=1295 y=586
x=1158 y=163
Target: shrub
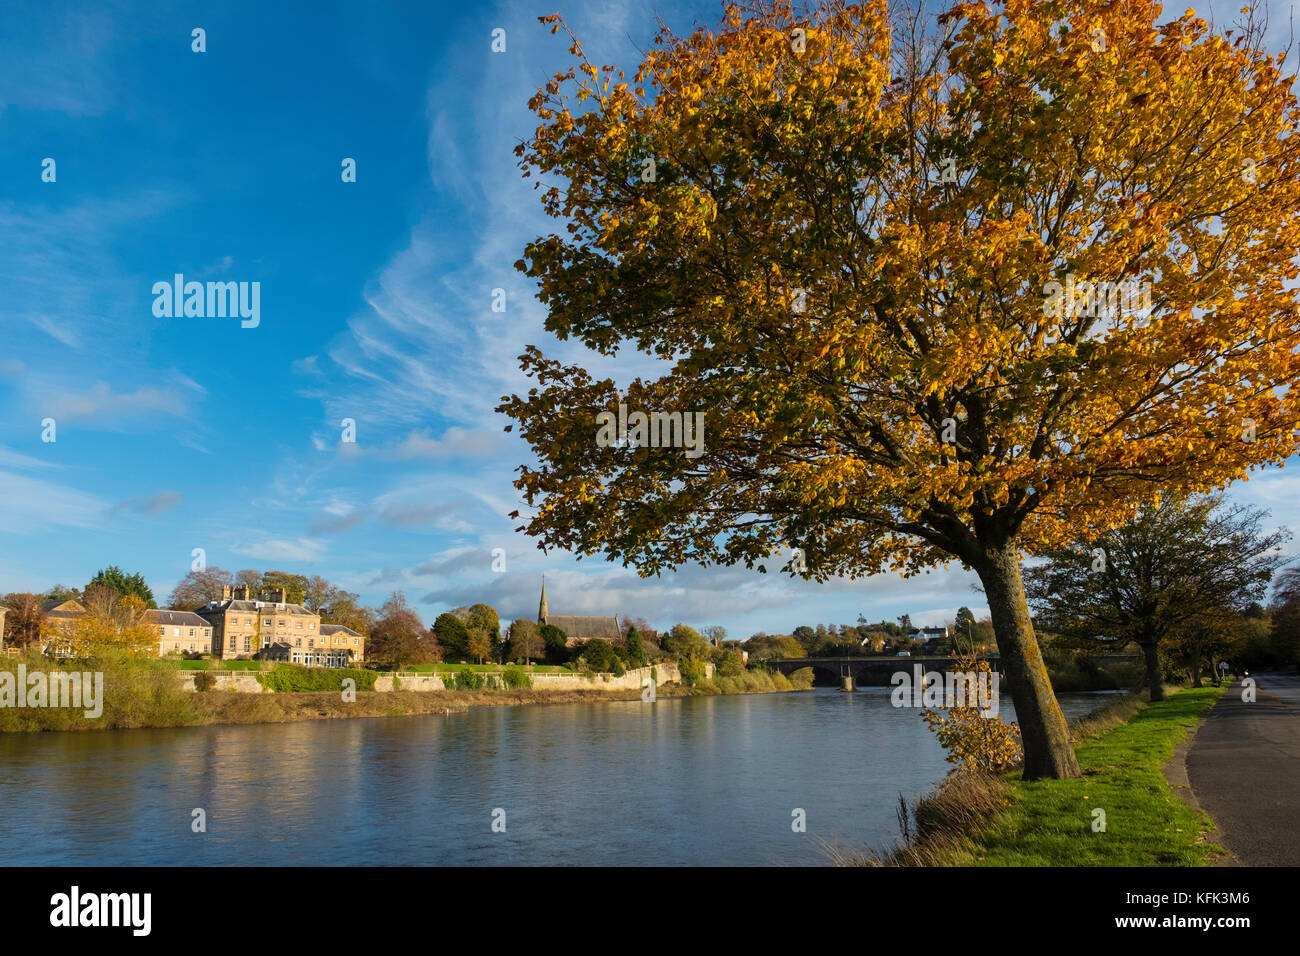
x=291 y=679
x=204 y=680
x=692 y=669
x=974 y=740
x=466 y=679
x=802 y=679
x=516 y=677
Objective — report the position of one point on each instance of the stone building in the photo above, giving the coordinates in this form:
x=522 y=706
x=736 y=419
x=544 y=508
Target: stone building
x=580 y=628
x=242 y=626
x=180 y=631
x=337 y=638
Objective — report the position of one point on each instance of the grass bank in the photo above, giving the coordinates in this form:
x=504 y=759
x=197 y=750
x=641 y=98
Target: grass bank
x=978 y=820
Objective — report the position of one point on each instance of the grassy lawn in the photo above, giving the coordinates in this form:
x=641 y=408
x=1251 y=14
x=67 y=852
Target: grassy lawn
x=1050 y=821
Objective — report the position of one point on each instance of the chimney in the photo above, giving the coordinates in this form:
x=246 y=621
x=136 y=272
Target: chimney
x=225 y=592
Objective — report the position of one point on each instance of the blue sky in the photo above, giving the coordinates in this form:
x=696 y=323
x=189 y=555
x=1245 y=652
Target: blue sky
x=183 y=433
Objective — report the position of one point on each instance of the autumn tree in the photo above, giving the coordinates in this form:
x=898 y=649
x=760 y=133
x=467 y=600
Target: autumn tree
x=24 y=621
x=398 y=636
x=479 y=644
x=950 y=289
x=1170 y=574
x=525 y=640
x=198 y=588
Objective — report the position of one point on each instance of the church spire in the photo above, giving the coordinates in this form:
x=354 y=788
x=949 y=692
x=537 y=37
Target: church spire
x=541 y=608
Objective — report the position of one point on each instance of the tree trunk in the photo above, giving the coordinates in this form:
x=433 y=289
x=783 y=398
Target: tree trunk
x=1196 y=663
x=1043 y=731
x=1155 y=682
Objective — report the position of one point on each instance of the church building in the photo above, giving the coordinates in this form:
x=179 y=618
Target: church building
x=580 y=628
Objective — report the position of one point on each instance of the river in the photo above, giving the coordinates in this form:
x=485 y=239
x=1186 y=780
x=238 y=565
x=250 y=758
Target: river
x=687 y=781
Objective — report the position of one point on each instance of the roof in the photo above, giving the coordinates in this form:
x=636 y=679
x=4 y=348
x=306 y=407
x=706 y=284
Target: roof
x=328 y=629
x=63 y=609
x=584 y=627
x=222 y=607
x=179 y=618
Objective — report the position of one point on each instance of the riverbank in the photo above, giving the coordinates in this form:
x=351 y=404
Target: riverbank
x=1121 y=812
x=147 y=693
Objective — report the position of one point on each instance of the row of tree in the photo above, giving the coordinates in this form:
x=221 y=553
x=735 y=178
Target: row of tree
x=1183 y=582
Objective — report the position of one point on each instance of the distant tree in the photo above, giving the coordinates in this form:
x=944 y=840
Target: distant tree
x=100 y=600
x=198 y=588
x=685 y=643
x=345 y=608
x=453 y=636
x=115 y=578
x=647 y=633
x=250 y=579
x=557 y=644
x=398 y=636
x=635 y=649
x=479 y=644
x=1284 y=634
x=716 y=634
x=905 y=622
x=525 y=640
x=1144 y=581
x=295 y=585
x=599 y=655
x=59 y=593
x=25 y=619
x=763 y=647
x=484 y=616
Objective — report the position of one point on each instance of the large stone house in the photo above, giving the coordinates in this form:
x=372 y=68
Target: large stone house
x=275 y=629
x=180 y=631
x=580 y=628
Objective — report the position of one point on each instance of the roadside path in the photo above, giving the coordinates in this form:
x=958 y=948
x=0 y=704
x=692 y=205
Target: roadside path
x=1244 y=769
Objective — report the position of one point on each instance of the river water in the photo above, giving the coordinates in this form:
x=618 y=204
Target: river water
x=693 y=781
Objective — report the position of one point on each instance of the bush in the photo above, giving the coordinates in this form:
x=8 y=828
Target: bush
x=693 y=671
x=137 y=692
x=516 y=677
x=204 y=680
x=802 y=679
x=292 y=679
x=466 y=679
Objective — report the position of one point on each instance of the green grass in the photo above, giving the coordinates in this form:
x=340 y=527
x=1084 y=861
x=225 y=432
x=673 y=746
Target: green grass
x=1050 y=821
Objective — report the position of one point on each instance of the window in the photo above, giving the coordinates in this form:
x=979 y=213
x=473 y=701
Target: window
x=311 y=625
x=162 y=630
x=248 y=621
x=356 y=641
x=266 y=621
x=176 y=632
x=299 y=625
x=281 y=624
x=311 y=642
x=298 y=643
x=246 y=643
x=192 y=634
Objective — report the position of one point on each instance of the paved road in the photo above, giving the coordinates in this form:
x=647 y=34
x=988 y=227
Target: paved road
x=1244 y=767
